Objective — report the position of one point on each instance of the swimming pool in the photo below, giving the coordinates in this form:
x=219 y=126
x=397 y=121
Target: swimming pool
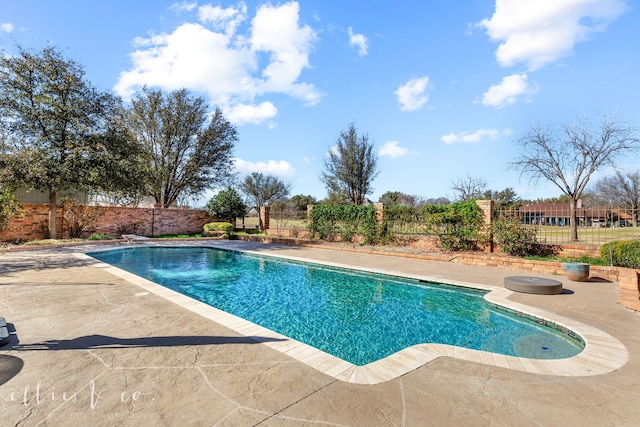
x=358 y=317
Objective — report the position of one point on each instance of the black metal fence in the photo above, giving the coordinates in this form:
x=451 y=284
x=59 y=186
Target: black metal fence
x=551 y=222
x=596 y=224
x=290 y=220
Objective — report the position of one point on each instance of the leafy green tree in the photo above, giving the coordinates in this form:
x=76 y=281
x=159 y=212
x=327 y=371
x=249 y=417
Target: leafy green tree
x=351 y=166
x=300 y=201
x=60 y=132
x=397 y=198
x=570 y=154
x=9 y=206
x=505 y=199
x=262 y=190
x=334 y=198
x=226 y=205
x=440 y=201
x=189 y=150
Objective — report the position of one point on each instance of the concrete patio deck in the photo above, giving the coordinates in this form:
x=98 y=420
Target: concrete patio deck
x=91 y=347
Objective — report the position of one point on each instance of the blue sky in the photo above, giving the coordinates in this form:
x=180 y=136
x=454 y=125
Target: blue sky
x=442 y=90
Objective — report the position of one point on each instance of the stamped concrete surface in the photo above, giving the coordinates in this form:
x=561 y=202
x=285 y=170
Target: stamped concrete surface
x=91 y=348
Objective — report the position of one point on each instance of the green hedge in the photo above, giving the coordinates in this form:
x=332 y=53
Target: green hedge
x=459 y=225
x=624 y=253
x=226 y=227
x=345 y=222
x=101 y=236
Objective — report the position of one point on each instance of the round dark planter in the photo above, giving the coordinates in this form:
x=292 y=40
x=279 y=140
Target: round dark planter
x=576 y=271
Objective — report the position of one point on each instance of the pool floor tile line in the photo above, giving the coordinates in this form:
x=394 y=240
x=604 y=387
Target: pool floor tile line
x=602 y=353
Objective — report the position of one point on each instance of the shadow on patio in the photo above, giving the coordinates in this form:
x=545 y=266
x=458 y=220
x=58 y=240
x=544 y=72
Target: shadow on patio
x=103 y=341
x=10 y=366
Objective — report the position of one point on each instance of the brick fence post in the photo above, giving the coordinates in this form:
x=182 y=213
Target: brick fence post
x=487 y=207
x=378 y=208
x=264 y=218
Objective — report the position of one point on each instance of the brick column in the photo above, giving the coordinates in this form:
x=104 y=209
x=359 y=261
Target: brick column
x=264 y=218
x=379 y=212
x=487 y=208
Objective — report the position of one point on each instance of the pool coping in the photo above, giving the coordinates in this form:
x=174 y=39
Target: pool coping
x=602 y=353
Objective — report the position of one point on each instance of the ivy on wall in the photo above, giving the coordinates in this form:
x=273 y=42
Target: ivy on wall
x=345 y=222
x=459 y=226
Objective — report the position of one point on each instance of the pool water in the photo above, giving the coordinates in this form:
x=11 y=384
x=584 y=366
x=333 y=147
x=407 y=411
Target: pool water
x=358 y=317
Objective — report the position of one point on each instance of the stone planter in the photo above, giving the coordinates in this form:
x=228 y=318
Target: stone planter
x=576 y=271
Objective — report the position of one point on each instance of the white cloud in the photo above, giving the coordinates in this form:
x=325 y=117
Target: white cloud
x=229 y=59
x=508 y=90
x=474 y=138
x=538 y=32
x=227 y=19
x=276 y=31
x=392 y=149
x=193 y=57
x=184 y=6
x=412 y=95
x=6 y=27
x=281 y=169
x=359 y=41
x=248 y=113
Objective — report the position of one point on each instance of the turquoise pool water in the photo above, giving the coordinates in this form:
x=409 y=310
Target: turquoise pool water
x=358 y=317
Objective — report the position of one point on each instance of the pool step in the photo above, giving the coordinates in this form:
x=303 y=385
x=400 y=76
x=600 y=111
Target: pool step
x=4 y=332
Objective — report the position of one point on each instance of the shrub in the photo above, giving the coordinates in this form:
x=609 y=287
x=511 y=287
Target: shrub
x=100 y=236
x=215 y=228
x=9 y=206
x=623 y=253
x=514 y=238
x=178 y=236
x=78 y=216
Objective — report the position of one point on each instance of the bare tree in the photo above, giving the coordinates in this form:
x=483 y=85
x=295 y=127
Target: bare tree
x=621 y=189
x=569 y=154
x=468 y=188
x=351 y=167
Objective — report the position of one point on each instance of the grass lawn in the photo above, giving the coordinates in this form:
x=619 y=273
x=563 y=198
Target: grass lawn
x=587 y=235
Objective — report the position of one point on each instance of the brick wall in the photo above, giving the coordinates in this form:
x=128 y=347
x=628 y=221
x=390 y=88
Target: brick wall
x=32 y=224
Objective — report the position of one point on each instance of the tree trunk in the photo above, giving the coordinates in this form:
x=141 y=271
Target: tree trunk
x=573 y=221
x=53 y=207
